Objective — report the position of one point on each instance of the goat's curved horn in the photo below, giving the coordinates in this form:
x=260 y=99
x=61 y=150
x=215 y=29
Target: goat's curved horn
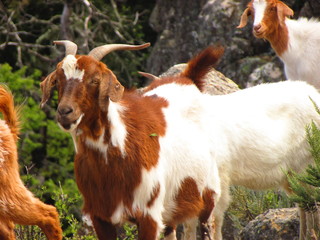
x=149 y=76
x=99 y=52
x=71 y=47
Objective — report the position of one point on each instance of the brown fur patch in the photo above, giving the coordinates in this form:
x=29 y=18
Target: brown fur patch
x=189 y=202
x=167 y=80
x=208 y=199
x=201 y=64
x=154 y=195
x=107 y=182
x=104 y=229
x=147 y=228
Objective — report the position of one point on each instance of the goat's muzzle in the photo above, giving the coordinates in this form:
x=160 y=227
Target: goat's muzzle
x=67 y=117
x=258 y=31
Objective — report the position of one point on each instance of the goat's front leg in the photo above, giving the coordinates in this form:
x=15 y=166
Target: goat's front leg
x=104 y=230
x=6 y=230
x=170 y=233
x=148 y=228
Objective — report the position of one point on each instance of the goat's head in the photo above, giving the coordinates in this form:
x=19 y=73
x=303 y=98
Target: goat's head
x=267 y=15
x=85 y=85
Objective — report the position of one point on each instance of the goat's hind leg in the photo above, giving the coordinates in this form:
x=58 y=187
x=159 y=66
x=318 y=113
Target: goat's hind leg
x=28 y=210
x=205 y=217
x=6 y=230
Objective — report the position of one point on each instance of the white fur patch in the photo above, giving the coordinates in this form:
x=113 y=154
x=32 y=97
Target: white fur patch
x=70 y=69
x=116 y=217
x=142 y=195
x=185 y=147
x=98 y=144
x=259 y=9
x=303 y=47
x=73 y=131
x=117 y=129
x=87 y=220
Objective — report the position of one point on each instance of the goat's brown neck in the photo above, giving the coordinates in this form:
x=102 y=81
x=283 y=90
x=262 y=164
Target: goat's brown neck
x=99 y=191
x=279 y=39
x=94 y=126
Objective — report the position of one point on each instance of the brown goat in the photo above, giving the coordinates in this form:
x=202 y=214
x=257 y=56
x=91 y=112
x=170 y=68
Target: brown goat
x=17 y=204
x=139 y=156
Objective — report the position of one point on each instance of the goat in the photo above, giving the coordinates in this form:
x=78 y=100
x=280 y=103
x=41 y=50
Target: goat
x=17 y=204
x=296 y=42
x=257 y=134
x=139 y=156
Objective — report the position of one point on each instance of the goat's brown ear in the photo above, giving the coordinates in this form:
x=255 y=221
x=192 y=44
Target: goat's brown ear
x=46 y=85
x=283 y=11
x=110 y=88
x=244 y=18
x=115 y=89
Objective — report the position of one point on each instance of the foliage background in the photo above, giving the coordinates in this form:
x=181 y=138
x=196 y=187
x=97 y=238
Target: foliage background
x=27 y=55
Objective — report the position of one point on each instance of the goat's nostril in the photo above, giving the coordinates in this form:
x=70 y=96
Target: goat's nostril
x=257 y=27
x=65 y=110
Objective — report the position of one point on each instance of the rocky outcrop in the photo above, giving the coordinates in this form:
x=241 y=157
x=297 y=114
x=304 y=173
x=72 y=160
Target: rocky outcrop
x=275 y=224
x=185 y=27
x=216 y=82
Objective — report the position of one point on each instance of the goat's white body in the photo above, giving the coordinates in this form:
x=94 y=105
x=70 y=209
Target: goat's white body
x=258 y=134
x=262 y=132
x=301 y=58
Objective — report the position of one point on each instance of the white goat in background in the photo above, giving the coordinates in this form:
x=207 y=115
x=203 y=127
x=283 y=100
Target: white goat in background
x=296 y=42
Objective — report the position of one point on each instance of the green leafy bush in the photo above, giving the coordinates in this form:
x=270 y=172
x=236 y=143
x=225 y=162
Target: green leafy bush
x=306 y=185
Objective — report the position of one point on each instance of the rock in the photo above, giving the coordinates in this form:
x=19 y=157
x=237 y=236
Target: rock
x=185 y=27
x=216 y=82
x=275 y=224
x=268 y=72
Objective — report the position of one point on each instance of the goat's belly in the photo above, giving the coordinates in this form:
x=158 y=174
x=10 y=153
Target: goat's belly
x=259 y=180
x=260 y=175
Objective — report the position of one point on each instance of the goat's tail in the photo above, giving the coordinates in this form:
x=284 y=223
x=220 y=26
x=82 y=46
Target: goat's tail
x=201 y=64
x=9 y=111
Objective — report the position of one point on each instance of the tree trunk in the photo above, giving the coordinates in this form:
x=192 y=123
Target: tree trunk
x=313 y=224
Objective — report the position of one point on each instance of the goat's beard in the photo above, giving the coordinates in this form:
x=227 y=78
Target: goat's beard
x=258 y=34
x=70 y=127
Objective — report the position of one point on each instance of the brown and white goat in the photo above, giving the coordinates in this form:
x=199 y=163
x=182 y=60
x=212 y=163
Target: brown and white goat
x=17 y=204
x=257 y=134
x=296 y=42
x=139 y=156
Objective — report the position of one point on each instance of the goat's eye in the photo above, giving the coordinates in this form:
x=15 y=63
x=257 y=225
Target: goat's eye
x=272 y=9
x=94 y=81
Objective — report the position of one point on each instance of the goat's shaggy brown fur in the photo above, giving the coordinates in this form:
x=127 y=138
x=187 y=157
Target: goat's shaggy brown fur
x=17 y=204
